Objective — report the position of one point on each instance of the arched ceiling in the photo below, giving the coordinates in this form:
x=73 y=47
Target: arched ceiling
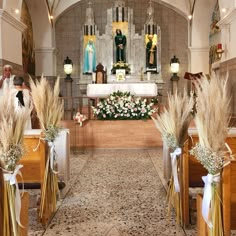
x=181 y=6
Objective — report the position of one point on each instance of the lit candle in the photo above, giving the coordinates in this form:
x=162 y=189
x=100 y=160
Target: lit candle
x=93 y=77
x=219 y=46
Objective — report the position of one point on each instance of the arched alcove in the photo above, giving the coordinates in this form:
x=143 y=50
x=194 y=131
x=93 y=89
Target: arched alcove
x=174 y=32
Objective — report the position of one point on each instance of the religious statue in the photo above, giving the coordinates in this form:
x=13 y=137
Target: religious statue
x=151 y=50
x=89 y=58
x=120 y=41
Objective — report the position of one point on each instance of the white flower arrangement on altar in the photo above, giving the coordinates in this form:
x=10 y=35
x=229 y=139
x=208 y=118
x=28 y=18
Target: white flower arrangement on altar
x=124 y=106
x=79 y=118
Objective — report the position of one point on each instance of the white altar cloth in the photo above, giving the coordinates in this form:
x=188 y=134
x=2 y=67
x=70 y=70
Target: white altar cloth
x=137 y=89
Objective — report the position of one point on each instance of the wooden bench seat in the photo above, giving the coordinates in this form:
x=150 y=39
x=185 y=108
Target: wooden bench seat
x=24 y=209
x=34 y=161
x=191 y=170
x=1 y=202
x=228 y=203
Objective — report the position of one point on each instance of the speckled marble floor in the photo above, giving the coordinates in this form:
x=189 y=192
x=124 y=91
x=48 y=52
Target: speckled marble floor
x=113 y=193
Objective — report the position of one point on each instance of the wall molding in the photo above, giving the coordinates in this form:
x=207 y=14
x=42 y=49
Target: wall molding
x=227 y=19
x=199 y=49
x=45 y=50
x=7 y=17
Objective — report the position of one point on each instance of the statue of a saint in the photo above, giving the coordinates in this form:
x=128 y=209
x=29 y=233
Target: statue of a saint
x=151 y=51
x=89 y=57
x=120 y=41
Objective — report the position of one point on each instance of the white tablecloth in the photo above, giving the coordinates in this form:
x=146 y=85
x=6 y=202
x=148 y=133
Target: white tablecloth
x=137 y=89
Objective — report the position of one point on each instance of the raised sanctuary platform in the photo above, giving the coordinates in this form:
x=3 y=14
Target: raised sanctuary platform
x=114 y=134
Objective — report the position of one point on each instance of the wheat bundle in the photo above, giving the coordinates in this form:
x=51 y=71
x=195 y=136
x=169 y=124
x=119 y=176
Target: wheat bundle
x=12 y=127
x=173 y=124
x=212 y=120
x=49 y=108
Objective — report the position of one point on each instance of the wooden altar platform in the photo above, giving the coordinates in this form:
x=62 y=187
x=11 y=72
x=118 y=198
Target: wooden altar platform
x=114 y=134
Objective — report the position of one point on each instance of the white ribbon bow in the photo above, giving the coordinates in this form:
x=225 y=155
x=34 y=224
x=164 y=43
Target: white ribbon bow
x=173 y=156
x=52 y=156
x=11 y=177
x=207 y=196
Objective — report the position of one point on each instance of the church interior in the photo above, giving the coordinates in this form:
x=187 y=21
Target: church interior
x=117 y=117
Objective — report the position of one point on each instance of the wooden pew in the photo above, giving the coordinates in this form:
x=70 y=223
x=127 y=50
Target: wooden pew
x=24 y=209
x=33 y=161
x=191 y=176
x=228 y=203
x=24 y=217
x=191 y=170
x=202 y=229
x=229 y=197
x=1 y=202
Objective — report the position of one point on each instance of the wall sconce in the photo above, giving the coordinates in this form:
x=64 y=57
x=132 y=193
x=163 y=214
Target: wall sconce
x=174 y=67
x=219 y=51
x=68 y=67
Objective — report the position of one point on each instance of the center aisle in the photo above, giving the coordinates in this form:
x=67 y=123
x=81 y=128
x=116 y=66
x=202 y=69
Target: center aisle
x=116 y=193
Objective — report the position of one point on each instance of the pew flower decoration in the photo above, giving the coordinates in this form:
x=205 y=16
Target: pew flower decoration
x=49 y=108
x=79 y=118
x=212 y=120
x=124 y=106
x=173 y=124
x=11 y=151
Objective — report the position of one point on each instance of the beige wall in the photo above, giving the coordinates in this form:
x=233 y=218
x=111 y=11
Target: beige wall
x=228 y=68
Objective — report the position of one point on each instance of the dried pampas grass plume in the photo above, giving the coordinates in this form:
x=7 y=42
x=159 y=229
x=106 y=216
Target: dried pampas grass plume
x=174 y=120
x=48 y=105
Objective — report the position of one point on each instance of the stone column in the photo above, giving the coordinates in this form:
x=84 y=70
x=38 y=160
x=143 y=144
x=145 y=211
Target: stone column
x=45 y=60
x=11 y=31
x=201 y=56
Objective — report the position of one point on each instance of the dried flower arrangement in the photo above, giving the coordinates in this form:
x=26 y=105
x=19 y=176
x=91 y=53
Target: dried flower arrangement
x=12 y=127
x=49 y=110
x=212 y=120
x=173 y=124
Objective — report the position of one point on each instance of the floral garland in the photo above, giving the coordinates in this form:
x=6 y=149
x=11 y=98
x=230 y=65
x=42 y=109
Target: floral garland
x=124 y=106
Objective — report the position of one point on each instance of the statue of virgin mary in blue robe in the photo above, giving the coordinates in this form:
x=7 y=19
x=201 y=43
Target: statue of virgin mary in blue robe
x=89 y=58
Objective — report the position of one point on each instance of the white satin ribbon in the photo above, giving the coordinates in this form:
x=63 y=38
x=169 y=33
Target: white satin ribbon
x=36 y=148
x=11 y=177
x=174 y=166
x=52 y=156
x=207 y=196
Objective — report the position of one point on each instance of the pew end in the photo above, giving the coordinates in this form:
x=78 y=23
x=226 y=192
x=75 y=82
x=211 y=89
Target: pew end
x=228 y=203
x=202 y=228
x=24 y=217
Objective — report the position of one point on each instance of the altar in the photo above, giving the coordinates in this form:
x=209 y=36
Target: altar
x=133 y=51
x=137 y=89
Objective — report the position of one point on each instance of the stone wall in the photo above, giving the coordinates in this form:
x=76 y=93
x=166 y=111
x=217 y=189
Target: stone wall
x=174 y=35
x=230 y=67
